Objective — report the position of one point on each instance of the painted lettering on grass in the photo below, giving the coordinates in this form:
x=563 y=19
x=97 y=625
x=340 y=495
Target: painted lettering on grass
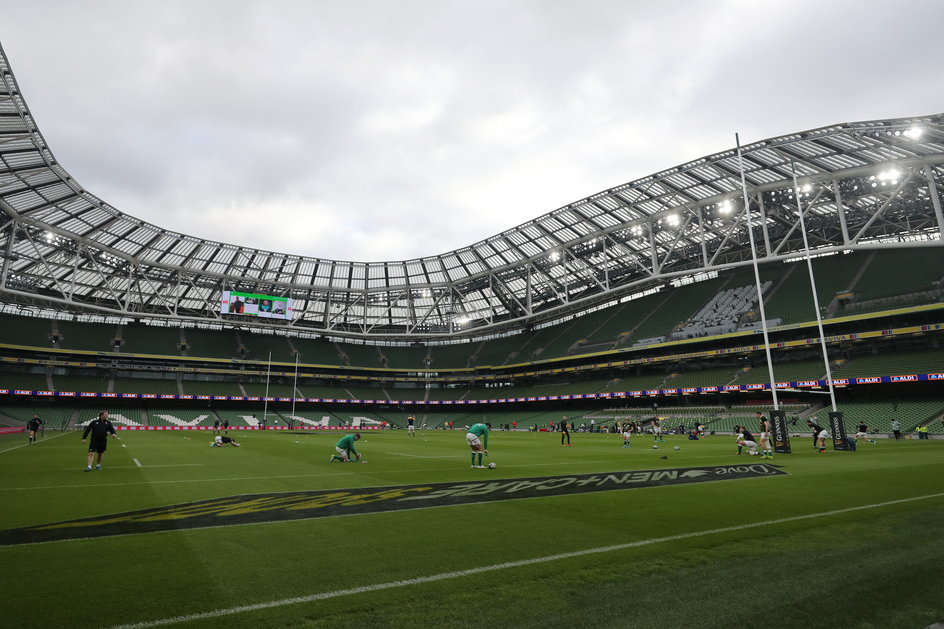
x=304 y=505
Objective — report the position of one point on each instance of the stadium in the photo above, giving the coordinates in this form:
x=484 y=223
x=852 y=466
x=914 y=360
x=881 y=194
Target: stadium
x=795 y=276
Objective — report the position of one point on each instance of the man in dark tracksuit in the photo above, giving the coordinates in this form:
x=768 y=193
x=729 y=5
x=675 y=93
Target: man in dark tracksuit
x=33 y=426
x=565 y=431
x=99 y=429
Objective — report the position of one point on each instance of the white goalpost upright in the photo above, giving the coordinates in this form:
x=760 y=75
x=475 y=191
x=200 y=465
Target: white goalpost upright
x=760 y=296
x=836 y=424
x=809 y=268
x=265 y=399
x=294 y=389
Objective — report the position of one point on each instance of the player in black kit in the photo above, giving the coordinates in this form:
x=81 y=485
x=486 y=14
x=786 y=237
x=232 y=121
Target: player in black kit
x=99 y=429
x=819 y=436
x=33 y=427
x=746 y=439
x=565 y=432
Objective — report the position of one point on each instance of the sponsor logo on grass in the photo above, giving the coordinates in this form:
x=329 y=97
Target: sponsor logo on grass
x=305 y=505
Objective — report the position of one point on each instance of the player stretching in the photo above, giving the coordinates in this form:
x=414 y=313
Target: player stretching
x=477 y=438
x=410 y=420
x=764 y=435
x=746 y=439
x=863 y=433
x=345 y=448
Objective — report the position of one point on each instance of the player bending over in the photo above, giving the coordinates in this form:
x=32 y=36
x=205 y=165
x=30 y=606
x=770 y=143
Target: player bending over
x=345 y=449
x=219 y=441
x=746 y=440
x=819 y=436
x=478 y=433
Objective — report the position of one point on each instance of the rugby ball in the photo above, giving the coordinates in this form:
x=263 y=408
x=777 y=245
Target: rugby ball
x=676 y=448
x=492 y=466
x=655 y=447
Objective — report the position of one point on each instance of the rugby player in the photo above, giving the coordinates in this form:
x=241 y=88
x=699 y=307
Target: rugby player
x=627 y=434
x=863 y=432
x=746 y=439
x=33 y=427
x=819 y=436
x=657 y=430
x=477 y=438
x=99 y=428
x=345 y=449
x=565 y=431
x=767 y=452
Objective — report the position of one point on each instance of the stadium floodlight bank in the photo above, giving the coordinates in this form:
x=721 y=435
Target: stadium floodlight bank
x=865 y=185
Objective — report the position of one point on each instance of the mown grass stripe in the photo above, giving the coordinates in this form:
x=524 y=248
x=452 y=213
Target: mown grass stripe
x=506 y=565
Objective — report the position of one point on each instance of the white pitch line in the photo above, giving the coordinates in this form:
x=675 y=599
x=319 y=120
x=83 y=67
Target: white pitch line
x=444 y=576
x=137 y=462
x=23 y=445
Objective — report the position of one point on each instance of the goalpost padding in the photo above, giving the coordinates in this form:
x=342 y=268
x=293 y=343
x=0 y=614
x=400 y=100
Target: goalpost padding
x=778 y=424
x=838 y=429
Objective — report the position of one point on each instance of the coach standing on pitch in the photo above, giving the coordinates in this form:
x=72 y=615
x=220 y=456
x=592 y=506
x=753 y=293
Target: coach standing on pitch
x=99 y=428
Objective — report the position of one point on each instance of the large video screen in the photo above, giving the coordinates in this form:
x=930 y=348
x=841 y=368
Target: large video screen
x=254 y=305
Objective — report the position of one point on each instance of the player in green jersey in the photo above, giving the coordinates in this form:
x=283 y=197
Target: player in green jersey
x=345 y=449
x=477 y=438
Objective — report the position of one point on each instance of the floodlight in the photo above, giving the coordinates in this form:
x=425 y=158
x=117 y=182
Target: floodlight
x=892 y=174
x=725 y=207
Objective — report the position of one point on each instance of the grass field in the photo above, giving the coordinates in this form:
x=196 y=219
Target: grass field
x=841 y=540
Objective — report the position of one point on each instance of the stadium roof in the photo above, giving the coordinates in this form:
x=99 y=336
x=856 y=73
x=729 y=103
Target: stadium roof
x=862 y=184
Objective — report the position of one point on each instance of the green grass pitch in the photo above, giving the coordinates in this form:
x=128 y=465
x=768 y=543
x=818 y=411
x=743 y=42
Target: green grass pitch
x=737 y=554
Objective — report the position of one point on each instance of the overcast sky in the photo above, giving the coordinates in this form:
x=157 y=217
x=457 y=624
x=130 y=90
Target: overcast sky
x=388 y=130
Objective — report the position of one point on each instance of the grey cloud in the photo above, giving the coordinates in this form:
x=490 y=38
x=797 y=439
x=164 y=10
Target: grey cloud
x=392 y=130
